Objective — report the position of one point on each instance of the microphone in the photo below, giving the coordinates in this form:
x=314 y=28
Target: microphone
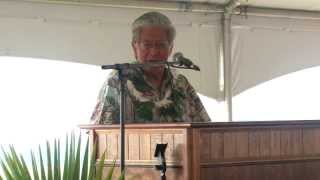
x=182 y=61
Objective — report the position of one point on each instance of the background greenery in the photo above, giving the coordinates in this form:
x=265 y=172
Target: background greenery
x=50 y=163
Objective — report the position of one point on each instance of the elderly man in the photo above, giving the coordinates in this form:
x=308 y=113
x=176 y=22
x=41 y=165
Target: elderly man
x=153 y=94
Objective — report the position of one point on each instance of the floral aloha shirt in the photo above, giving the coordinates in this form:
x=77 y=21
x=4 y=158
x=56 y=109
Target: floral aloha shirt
x=176 y=101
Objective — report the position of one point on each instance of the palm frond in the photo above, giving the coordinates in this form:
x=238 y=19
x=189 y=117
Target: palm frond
x=42 y=171
x=110 y=173
x=49 y=164
x=56 y=159
x=85 y=161
x=12 y=165
x=100 y=167
x=66 y=161
x=6 y=171
x=92 y=164
x=77 y=160
x=34 y=167
x=50 y=167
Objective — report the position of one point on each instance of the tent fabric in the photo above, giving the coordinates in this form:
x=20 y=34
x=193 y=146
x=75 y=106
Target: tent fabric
x=102 y=35
x=263 y=48
x=266 y=48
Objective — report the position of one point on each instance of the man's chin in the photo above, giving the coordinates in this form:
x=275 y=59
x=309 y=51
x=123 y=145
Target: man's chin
x=154 y=69
x=155 y=61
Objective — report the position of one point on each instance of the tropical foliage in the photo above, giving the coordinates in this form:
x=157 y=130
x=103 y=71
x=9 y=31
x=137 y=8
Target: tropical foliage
x=51 y=164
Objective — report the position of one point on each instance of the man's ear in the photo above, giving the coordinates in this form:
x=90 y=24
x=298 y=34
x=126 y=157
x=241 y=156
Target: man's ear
x=133 y=44
x=170 y=48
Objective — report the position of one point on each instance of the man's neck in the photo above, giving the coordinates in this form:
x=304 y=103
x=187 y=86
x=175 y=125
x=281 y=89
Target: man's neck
x=155 y=77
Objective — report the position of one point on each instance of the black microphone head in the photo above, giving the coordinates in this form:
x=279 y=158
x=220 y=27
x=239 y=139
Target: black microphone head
x=195 y=67
x=182 y=61
x=177 y=56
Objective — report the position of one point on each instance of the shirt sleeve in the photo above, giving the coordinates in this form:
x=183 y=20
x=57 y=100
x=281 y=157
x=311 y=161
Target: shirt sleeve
x=196 y=110
x=106 y=110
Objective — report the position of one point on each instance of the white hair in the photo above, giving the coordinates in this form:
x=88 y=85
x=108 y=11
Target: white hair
x=153 y=19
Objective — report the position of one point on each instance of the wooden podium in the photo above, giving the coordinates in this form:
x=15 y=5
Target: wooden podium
x=216 y=151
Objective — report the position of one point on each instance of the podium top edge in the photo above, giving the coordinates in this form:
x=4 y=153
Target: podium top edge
x=136 y=125
x=204 y=124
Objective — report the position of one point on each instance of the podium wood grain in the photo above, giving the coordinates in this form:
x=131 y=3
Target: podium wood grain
x=218 y=151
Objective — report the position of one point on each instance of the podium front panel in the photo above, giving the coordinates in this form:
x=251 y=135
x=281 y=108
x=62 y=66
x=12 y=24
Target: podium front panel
x=140 y=146
x=216 y=151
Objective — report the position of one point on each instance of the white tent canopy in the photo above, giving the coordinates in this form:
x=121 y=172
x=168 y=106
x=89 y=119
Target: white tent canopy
x=265 y=44
x=102 y=35
x=266 y=48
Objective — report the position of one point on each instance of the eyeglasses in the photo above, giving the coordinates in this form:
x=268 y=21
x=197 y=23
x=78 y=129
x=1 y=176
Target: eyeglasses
x=160 y=45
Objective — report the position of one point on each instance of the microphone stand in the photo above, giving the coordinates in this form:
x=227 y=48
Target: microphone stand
x=160 y=154
x=122 y=69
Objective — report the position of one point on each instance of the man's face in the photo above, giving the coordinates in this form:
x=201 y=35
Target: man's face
x=152 y=45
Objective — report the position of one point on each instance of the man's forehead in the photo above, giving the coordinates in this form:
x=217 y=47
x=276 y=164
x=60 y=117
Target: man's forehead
x=154 y=28
x=154 y=32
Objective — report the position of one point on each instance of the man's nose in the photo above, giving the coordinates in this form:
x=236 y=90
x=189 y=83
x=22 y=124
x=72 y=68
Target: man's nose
x=154 y=50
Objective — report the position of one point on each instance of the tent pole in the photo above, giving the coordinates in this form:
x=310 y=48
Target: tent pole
x=226 y=34
x=226 y=25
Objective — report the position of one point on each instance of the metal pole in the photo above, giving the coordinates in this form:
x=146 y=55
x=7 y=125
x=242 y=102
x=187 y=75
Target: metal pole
x=198 y=7
x=121 y=68
x=122 y=129
x=226 y=24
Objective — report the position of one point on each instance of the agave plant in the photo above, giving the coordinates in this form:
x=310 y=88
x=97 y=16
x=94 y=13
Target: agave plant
x=76 y=165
